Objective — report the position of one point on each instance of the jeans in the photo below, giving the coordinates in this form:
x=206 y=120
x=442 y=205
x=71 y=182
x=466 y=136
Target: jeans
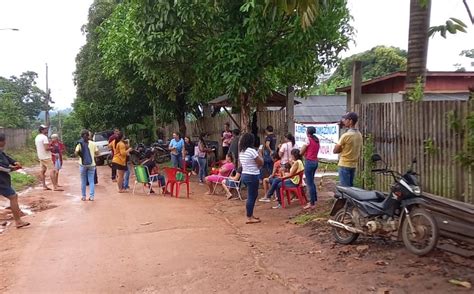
x=188 y=159
x=126 y=178
x=267 y=163
x=310 y=168
x=251 y=181
x=276 y=186
x=158 y=178
x=87 y=174
x=114 y=172
x=346 y=176
x=202 y=168
x=176 y=160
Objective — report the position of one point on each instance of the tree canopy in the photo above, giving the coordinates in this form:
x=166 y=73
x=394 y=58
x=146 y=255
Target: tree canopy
x=174 y=56
x=21 y=101
x=376 y=62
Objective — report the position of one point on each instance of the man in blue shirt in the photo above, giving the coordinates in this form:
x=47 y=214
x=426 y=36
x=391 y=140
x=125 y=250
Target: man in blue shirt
x=176 y=148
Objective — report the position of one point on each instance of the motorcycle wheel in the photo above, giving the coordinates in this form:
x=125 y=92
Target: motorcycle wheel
x=342 y=236
x=109 y=160
x=426 y=235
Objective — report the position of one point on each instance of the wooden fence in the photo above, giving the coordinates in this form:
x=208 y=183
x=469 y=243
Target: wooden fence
x=16 y=138
x=433 y=132
x=214 y=125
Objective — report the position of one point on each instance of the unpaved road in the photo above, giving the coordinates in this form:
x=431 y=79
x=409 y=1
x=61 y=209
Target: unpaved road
x=122 y=243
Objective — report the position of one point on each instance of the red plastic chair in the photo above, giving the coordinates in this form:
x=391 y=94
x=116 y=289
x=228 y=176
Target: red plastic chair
x=170 y=174
x=185 y=182
x=299 y=190
x=171 y=181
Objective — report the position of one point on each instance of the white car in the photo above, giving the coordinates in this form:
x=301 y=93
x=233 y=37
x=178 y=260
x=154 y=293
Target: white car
x=101 y=139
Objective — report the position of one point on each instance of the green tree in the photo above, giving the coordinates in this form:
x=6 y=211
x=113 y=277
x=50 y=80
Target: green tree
x=21 y=100
x=256 y=52
x=100 y=104
x=376 y=62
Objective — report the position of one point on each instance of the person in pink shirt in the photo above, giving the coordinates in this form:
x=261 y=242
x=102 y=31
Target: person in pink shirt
x=224 y=172
x=310 y=151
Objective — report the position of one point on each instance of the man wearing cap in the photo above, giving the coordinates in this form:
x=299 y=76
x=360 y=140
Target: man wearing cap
x=349 y=147
x=43 y=149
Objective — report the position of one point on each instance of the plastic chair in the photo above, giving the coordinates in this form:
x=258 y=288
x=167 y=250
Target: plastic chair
x=171 y=173
x=299 y=190
x=142 y=176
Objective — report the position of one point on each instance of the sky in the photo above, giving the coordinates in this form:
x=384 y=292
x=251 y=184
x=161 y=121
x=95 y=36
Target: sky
x=50 y=32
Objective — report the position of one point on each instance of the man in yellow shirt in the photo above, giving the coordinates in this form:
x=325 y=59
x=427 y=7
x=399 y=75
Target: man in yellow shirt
x=349 y=147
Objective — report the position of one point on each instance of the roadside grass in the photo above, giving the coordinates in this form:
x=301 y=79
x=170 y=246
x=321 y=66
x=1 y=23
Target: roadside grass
x=26 y=156
x=328 y=166
x=20 y=181
x=306 y=218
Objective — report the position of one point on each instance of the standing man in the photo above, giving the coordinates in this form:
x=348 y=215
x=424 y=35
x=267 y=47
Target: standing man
x=349 y=147
x=226 y=138
x=86 y=151
x=176 y=148
x=268 y=150
x=234 y=145
x=7 y=164
x=111 y=140
x=43 y=149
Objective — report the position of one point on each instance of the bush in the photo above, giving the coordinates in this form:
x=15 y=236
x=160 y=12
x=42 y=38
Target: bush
x=21 y=181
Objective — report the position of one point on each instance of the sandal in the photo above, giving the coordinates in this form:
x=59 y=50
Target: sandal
x=25 y=224
x=253 y=221
x=83 y=198
x=46 y=189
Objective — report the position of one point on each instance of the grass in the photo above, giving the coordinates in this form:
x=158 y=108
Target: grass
x=303 y=219
x=21 y=181
x=26 y=156
x=329 y=166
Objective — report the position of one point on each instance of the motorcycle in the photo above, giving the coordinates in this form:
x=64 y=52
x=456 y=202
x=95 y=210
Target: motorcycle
x=401 y=211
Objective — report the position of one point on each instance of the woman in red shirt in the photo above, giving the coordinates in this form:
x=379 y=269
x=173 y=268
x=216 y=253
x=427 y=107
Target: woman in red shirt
x=310 y=151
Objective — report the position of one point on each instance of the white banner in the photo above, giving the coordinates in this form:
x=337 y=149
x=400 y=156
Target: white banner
x=328 y=135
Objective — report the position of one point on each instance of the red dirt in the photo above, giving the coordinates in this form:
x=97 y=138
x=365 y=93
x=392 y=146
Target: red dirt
x=122 y=243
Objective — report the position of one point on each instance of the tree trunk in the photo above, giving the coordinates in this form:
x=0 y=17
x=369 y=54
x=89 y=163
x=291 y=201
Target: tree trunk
x=244 y=112
x=417 y=44
x=181 y=113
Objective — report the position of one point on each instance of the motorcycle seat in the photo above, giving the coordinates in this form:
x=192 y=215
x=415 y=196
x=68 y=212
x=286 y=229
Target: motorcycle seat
x=360 y=194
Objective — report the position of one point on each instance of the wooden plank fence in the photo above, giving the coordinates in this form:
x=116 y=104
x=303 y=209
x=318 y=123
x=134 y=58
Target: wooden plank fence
x=214 y=125
x=16 y=138
x=425 y=131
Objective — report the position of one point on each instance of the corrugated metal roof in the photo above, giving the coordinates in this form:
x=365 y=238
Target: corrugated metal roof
x=320 y=109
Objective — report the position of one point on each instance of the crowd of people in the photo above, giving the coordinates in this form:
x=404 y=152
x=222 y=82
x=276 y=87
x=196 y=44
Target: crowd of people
x=270 y=164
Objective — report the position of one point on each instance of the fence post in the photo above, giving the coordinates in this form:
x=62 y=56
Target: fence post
x=356 y=87
x=290 y=109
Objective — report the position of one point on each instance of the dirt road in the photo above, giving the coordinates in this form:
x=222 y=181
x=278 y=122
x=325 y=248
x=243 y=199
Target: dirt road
x=122 y=243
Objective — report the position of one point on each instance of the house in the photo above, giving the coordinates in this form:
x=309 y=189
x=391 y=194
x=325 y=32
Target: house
x=440 y=85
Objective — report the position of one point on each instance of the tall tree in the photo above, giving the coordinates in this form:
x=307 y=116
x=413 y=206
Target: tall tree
x=257 y=52
x=100 y=104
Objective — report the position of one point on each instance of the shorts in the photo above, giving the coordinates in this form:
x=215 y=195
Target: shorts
x=57 y=164
x=215 y=178
x=46 y=163
x=230 y=184
x=7 y=192
x=119 y=166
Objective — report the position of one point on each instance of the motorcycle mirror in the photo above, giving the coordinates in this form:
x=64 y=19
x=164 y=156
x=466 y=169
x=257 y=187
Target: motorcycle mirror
x=376 y=157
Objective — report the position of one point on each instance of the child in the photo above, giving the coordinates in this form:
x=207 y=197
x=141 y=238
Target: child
x=153 y=170
x=230 y=183
x=286 y=169
x=277 y=172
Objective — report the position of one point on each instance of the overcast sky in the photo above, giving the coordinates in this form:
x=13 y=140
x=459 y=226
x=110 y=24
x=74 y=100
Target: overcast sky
x=50 y=32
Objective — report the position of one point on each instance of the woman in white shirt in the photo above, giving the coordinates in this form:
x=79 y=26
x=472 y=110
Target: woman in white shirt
x=251 y=163
x=285 y=149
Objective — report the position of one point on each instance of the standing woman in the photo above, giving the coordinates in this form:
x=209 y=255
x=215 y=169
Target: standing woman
x=286 y=148
x=226 y=138
x=120 y=160
x=251 y=164
x=310 y=151
x=176 y=147
x=57 y=149
x=202 y=151
x=188 y=151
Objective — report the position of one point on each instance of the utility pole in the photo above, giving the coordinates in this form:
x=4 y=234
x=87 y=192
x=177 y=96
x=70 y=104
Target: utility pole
x=46 y=102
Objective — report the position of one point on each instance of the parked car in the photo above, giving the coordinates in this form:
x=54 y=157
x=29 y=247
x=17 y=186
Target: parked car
x=101 y=139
